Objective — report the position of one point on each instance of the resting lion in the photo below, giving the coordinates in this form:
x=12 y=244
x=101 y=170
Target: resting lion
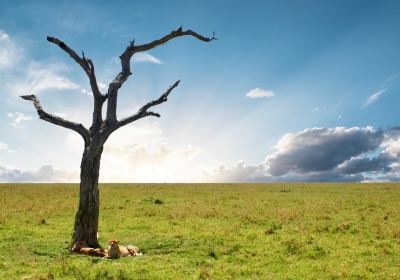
x=116 y=251
x=82 y=248
x=78 y=246
x=97 y=252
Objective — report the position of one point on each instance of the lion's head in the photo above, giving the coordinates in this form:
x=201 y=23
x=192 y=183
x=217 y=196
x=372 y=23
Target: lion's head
x=114 y=243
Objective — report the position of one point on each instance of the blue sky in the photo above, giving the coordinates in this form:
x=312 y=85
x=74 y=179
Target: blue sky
x=279 y=73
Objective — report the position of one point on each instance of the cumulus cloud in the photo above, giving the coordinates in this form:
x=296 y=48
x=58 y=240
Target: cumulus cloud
x=391 y=143
x=146 y=57
x=10 y=54
x=321 y=149
x=260 y=93
x=324 y=154
x=18 y=118
x=374 y=97
x=358 y=165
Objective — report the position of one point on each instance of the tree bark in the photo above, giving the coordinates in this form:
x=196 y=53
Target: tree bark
x=87 y=216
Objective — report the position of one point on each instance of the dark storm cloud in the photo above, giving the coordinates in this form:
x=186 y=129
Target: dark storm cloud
x=325 y=154
x=379 y=163
x=318 y=150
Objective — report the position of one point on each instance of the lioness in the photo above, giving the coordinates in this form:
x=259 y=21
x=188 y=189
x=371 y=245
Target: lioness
x=82 y=248
x=97 y=252
x=117 y=251
x=78 y=246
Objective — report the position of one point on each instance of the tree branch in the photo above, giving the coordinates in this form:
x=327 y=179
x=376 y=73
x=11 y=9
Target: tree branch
x=132 y=48
x=57 y=120
x=126 y=68
x=143 y=111
x=88 y=67
x=85 y=63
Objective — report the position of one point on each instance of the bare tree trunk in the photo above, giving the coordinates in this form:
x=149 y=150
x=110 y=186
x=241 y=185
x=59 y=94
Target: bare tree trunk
x=87 y=216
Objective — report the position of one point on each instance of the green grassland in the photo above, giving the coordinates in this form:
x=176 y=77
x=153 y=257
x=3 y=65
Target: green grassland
x=207 y=231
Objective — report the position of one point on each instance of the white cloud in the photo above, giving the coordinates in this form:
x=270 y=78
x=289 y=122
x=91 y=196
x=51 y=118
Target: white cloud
x=18 y=118
x=40 y=78
x=143 y=154
x=140 y=153
x=373 y=98
x=46 y=174
x=61 y=115
x=85 y=91
x=390 y=78
x=234 y=172
x=146 y=57
x=260 y=93
x=391 y=144
x=10 y=54
x=148 y=163
x=33 y=77
x=3 y=147
x=102 y=86
x=4 y=36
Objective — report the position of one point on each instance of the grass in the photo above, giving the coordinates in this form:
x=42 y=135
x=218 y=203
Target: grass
x=207 y=231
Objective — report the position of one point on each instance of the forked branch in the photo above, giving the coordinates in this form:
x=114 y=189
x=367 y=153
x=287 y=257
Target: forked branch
x=84 y=62
x=143 y=111
x=57 y=120
x=88 y=67
x=126 y=68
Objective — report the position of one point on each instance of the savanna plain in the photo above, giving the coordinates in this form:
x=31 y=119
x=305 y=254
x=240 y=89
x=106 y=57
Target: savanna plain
x=207 y=231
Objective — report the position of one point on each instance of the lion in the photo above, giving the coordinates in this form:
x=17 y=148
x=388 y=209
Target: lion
x=97 y=252
x=78 y=246
x=116 y=251
x=82 y=248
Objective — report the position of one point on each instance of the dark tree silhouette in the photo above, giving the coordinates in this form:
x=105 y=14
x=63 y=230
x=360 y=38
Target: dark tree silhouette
x=87 y=216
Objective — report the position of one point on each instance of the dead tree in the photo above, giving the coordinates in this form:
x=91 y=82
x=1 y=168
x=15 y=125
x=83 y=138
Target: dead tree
x=87 y=216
